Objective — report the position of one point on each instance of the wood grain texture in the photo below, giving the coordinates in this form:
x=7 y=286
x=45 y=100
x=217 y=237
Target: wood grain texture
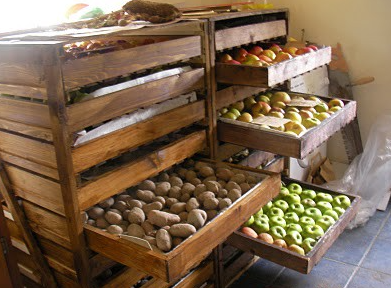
x=196 y=278
x=242 y=35
x=126 y=278
x=116 y=180
x=24 y=91
x=235 y=93
x=242 y=75
x=29 y=130
x=125 y=101
x=120 y=141
x=88 y=70
x=99 y=264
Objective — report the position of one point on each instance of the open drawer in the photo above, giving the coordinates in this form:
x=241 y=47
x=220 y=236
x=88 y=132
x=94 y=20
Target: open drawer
x=303 y=264
x=172 y=265
x=254 y=136
x=274 y=74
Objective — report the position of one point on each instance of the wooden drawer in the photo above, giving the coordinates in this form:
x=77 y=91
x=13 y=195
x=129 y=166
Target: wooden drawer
x=274 y=74
x=284 y=257
x=172 y=265
x=250 y=135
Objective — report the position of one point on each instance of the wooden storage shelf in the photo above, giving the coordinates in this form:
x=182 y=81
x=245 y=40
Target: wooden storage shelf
x=249 y=135
x=294 y=261
x=274 y=74
x=172 y=265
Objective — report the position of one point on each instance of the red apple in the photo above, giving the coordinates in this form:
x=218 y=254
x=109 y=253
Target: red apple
x=306 y=114
x=280 y=96
x=304 y=50
x=233 y=62
x=282 y=56
x=260 y=108
x=265 y=58
x=240 y=55
x=313 y=47
x=279 y=104
x=256 y=50
x=269 y=53
x=275 y=48
x=336 y=102
x=291 y=50
x=224 y=58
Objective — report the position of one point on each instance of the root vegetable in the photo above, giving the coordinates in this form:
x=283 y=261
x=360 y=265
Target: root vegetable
x=106 y=203
x=175 y=192
x=206 y=171
x=232 y=185
x=178 y=207
x=115 y=229
x=224 y=174
x=136 y=216
x=145 y=195
x=134 y=203
x=211 y=214
x=102 y=223
x=222 y=193
x=188 y=188
x=199 y=189
x=120 y=205
x=163 y=240
x=245 y=187
x=195 y=181
x=162 y=189
x=190 y=174
x=171 y=201
x=151 y=240
x=211 y=203
x=238 y=178
x=213 y=186
x=176 y=181
x=192 y=204
x=160 y=199
x=182 y=230
x=136 y=230
x=183 y=215
x=163 y=177
x=152 y=206
x=205 y=195
x=113 y=218
x=234 y=194
x=224 y=203
x=197 y=218
x=148 y=227
x=96 y=212
x=161 y=218
x=184 y=198
x=147 y=185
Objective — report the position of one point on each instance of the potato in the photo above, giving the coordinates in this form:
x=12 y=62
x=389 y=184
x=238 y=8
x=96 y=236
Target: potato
x=183 y=230
x=115 y=211
x=125 y=214
x=188 y=188
x=91 y=222
x=184 y=198
x=252 y=179
x=232 y=185
x=160 y=199
x=145 y=195
x=134 y=203
x=136 y=230
x=176 y=241
x=171 y=201
x=162 y=188
x=210 y=178
x=102 y=223
x=123 y=197
x=113 y=218
x=151 y=240
x=178 y=207
x=205 y=195
x=163 y=240
x=206 y=171
x=195 y=181
x=147 y=185
x=188 y=163
x=183 y=215
x=211 y=214
x=175 y=181
x=199 y=189
x=181 y=172
x=197 y=218
x=148 y=227
x=192 y=204
x=245 y=187
x=175 y=192
x=106 y=203
x=152 y=206
x=234 y=194
x=211 y=203
x=161 y=218
x=163 y=177
x=96 y=212
x=238 y=178
x=222 y=193
x=212 y=186
x=222 y=183
x=198 y=165
x=224 y=203
x=136 y=216
x=115 y=229
x=224 y=174
x=190 y=174
x=120 y=205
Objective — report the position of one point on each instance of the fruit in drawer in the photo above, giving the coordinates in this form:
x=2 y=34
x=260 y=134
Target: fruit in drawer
x=313 y=47
x=291 y=50
x=229 y=115
x=280 y=243
x=339 y=210
x=312 y=231
x=275 y=48
x=269 y=53
x=334 y=109
x=321 y=107
x=249 y=232
x=274 y=211
x=292 y=198
x=279 y=104
x=323 y=206
x=245 y=117
x=224 y=58
x=305 y=114
x=308 y=244
x=234 y=111
x=292 y=115
x=322 y=196
x=277 y=221
x=277 y=114
x=295 y=128
x=249 y=102
x=256 y=50
x=308 y=203
x=313 y=212
x=240 y=55
x=260 y=108
x=263 y=98
x=291 y=217
x=331 y=213
x=298 y=208
x=266 y=208
x=282 y=204
x=335 y=102
x=342 y=201
x=297 y=249
x=265 y=58
x=310 y=122
x=266 y=237
x=283 y=192
x=250 y=59
x=282 y=56
x=306 y=220
x=293 y=109
x=293 y=237
x=304 y=50
x=280 y=96
x=261 y=225
x=249 y=222
x=277 y=232
x=238 y=106
x=308 y=193
x=325 y=222
x=293 y=226
x=233 y=62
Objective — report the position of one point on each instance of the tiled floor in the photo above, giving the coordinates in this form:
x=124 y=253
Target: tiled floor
x=359 y=258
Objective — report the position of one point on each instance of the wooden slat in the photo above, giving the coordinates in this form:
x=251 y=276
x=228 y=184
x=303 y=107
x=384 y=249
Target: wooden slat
x=120 y=141
x=56 y=252
x=235 y=93
x=99 y=264
x=156 y=283
x=197 y=277
x=29 y=149
x=246 y=34
x=24 y=112
x=88 y=70
x=65 y=282
x=24 y=91
x=36 y=189
x=125 y=101
x=32 y=131
x=126 y=278
x=237 y=268
x=115 y=181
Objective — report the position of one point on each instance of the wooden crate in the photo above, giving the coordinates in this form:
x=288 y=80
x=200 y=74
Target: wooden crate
x=175 y=264
x=249 y=135
x=294 y=261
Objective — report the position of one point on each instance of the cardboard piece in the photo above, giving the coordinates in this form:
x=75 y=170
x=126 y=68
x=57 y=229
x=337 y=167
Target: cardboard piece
x=302 y=103
x=270 y=121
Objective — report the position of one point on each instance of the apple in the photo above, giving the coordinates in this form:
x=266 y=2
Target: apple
x=293 y=226
x=262 y=216
x=304 y=50
x=260 y=226
x=274 y=211
x=298 y=208
x=279 y=104
x=282 y=204
x=265 y=58
x=238 y=105
x=249 y=221
x=323 y=206
x=293 y=109
x=278 y=109
x=267 y=207
x=282 y=56
x=334 y=109
x=269 y=53
x=280 y=96
x=259 y=213
x=233 y=62
x=313 y=47
x=312 y=231
x=322 y=196
x=250 y=59
x=229 y=115
x=339 y=210
x=275 y=48
x=291 y=133
x=266 y=237
x=256 y=50
x=331 y=213
x=311 y=109
x=260 y=108
x=305 y=220
x=277 y=221
x=223 y=110
x=245 y=117
x=314 y=98
x=325 y=222
x=279 y=128
x=283 y=192
x=308 y=203
x=308 y=193
x=341 y=201
x=276 y=114
x=310 y=122
x=321 y=107
x=308 y=244
x=295 y=127
x=292 y=198
x=240 y=55
x=234 y=111
x=305 y=114
x=224 y=58
x=248 y=103
x=280 y=243
x=322 y=116
x=297 y=249
x=293 y=116
x=313 y=212
x=293 y=237
x=277 y=232
x=335 y=102
x=295 y=188
x=291 y=217
x=249 y=232
x=263 y=98
x=291 y=50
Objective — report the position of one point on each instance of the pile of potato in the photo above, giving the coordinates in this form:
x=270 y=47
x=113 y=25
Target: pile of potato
x=172 y=206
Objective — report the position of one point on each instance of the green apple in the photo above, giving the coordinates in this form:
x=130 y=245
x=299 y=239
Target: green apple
x=305 y=220
x=322 y=196
x=277 y=232
x=249 y=222
x=262 y=216
x=260 y=226
x=260 y=212
x=293 y=226
x=263 y=98
x=295 y=188
x=229 y=115
x=325 y=222
x=310 y=122
x=313 y=212
x=291 y=217
x=308 y=194
x=323 y=206
x=267 y=207
x=297 y=249
x=282 y=204
x=339 y=210
x=283 y=192
x=292 y=198
x=234 y=111
x=312 y=231
x=331 y=213
x=342 y=201
x=293 y=237
x=322 y=116
x=308 y=244
x=307 y=203
x=274 y=211
x=277 y=221
x=298 y=208
x=322 y=107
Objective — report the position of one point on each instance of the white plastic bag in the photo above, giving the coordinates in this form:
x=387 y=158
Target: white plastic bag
x=369 y=174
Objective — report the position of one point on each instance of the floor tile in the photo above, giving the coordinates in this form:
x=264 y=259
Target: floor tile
x=246 y=281
x=365 y=278
x=326 y=274
x=379 y=257
x=264 y=270
x=385 y=233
